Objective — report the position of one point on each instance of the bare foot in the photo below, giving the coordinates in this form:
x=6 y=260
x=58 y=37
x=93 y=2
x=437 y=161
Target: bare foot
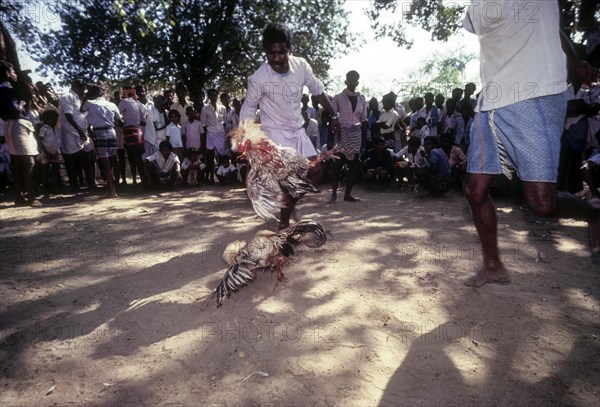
x=496 y=275
x=332 y=199
x=594 y=226
x=350 y=198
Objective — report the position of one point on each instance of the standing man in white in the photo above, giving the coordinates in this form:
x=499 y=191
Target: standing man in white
x=276 y=87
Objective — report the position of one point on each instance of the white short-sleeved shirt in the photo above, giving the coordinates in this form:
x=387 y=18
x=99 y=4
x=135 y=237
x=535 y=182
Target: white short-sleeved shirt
x=174 y=135
x=132 y=111
x=213 y=118
x=231 y=119
x=390 y=118
x=162 y=164
x=418 y=158
x=521 y=54
x=49 y=139
x=279 y=95
x=69 y=137
x=192 y=131
x=101 y=112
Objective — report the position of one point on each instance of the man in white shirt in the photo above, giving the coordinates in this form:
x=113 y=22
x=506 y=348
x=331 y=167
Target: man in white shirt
x=212 y=117
x=103 y=116
x=148 y=130
x=231 y=118
x=73 y=137
x=311 y=126
x=521 y=111
x=277 y=86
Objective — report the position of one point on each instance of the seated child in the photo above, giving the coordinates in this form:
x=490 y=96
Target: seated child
x=227 y=172
x=243 y=168
x=162 y=167
x=193 y=168
x=436 y=177
x=421 y=130
x=591 y=171
x=456 y=157
x=409 y=159
x=378 y=165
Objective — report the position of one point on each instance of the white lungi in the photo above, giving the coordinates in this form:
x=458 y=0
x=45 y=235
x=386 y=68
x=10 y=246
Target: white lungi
x=297 y=140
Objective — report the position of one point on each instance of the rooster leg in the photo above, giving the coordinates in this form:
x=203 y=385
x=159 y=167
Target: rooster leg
x=286 y=213
x=278 y=264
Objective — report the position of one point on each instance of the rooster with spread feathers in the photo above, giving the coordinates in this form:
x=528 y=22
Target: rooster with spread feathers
x=266 y=251
x=275 y=172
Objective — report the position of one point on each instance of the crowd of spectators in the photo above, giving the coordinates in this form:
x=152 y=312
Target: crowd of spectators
x=83 y=141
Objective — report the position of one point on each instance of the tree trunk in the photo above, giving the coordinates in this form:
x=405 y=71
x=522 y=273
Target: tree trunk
x=8 y=49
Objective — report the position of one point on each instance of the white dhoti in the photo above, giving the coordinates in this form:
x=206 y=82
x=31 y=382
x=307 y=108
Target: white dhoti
x=215 y=140
x=20 y=139
x=297 y=140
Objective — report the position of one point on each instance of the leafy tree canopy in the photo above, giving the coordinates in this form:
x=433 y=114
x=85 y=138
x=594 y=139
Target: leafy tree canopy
x=443 y=18
x=200 y=42
x=440 y=73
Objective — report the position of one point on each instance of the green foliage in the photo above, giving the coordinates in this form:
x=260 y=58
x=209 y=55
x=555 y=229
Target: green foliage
x=200 y=42
x=440 y=73
x=441 y=19
x=15 y=18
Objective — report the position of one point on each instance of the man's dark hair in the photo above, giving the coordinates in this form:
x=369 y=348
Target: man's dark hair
x=95 y=90
x=390 y=97
x=165 y=144
x=431 y=140
x=446 y=138
x=5 y=66
x=48 y=115
x=277 y=32
x=352 y=74
x=78 y=84
x=414 y=143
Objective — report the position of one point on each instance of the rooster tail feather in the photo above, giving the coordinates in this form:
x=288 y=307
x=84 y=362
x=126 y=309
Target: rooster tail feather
x=287 y=249
x=235 y=278
x=298 y=186
x=300 y=232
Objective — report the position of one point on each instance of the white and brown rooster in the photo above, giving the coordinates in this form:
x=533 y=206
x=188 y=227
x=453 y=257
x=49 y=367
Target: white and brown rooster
x=274 y=170
x=266 y=251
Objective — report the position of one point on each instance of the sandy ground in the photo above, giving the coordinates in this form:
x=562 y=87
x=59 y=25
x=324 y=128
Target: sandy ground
x=108 y=303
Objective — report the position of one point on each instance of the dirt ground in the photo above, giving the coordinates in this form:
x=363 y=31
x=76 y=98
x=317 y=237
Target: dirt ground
x=108 y=303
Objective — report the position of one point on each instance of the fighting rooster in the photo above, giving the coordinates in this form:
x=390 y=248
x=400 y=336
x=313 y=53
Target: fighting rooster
x=266 y=251
x=274 y=170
